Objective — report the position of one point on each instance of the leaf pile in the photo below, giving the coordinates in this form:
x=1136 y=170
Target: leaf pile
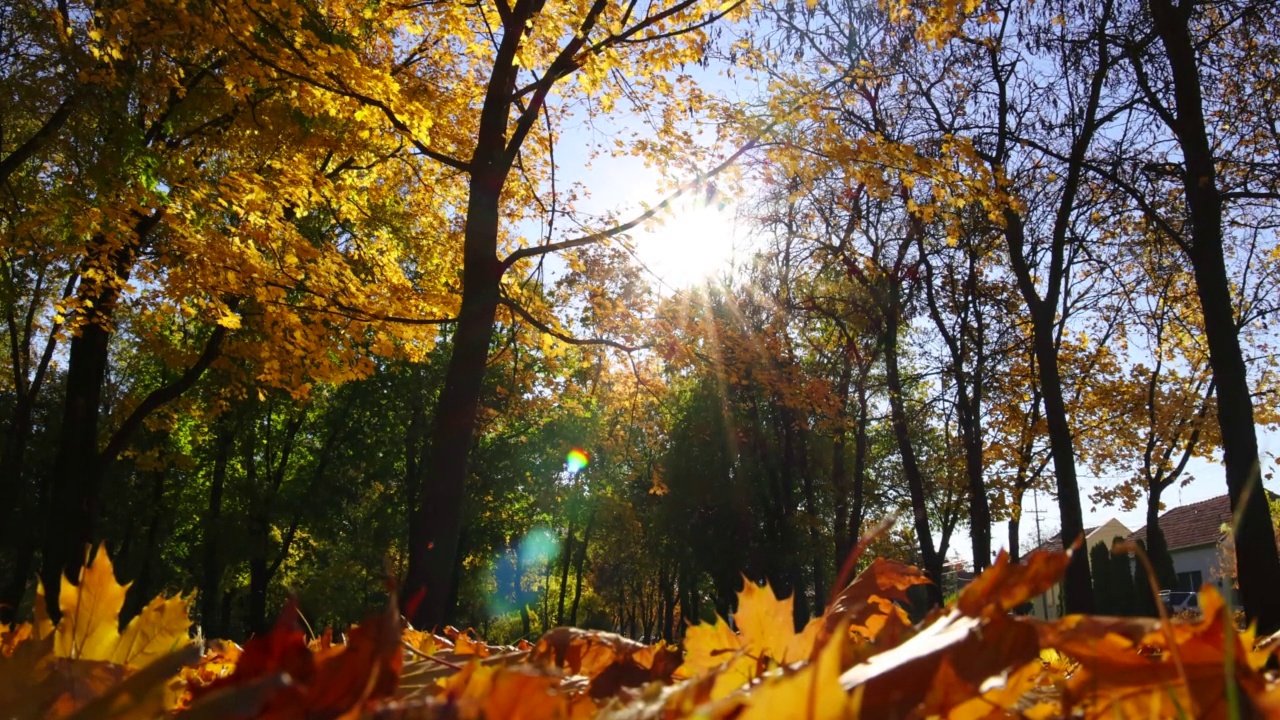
x=860 y=659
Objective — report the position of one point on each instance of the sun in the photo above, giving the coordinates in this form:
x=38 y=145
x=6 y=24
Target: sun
x=692 y=241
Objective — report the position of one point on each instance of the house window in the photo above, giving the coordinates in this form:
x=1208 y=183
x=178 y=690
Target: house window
x=1190 y=581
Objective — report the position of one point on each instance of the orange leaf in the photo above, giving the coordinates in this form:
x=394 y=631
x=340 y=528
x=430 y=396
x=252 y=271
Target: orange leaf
x=1006 y=585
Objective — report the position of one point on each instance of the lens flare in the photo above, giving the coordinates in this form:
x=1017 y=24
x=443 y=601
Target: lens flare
x=576 y=460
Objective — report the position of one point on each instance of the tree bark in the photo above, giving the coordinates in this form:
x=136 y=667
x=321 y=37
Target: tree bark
x=967 y=371
x=1257 y=560
x=1077 y=587
x=565 y=558
x=839 y=475
x=578 y=566
x=902 y=433
x=435 y=525
x=211 y=587
x=74 y=508
x=1157 y=546
x=142 y=589
x=668 y=589
x=1015 y=518
x=17 y=531
x=861 y=447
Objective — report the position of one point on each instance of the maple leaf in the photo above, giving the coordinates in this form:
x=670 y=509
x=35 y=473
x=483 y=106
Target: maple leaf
x=767 y=635
x=1006 y=584
x=161 y=627
x=813 y=692
x=523 y=692
x=90 y=624
x=13 y=635
x=953 y=659
x=715 y=649
x=84 y=661
x=765 y=621
x=610 y=661
x=1142 y=667
x=926 y=668
x=296 y=682
x=465 y=645
x=868 y=601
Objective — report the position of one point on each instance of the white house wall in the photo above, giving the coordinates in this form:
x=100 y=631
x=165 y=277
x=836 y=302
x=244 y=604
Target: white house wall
x=1203 y=558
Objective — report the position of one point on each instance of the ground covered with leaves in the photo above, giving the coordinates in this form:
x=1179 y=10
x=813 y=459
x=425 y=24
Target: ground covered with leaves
x=861 y=659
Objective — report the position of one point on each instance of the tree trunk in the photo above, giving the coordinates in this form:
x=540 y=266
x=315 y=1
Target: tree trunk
x=521 y=598
x=861 y=447
x=839 y=475
x=979 y=507
x=15 y=525
x=565 y=560
x=16 y=590
x=910 y=467
x=142 y=589
x=211 y=588
x=1077 y=587
x=578 y=566
x=967 y=369
x=435 y=526
x=259 y=528
x=74 y=509
x=1257 y=560
x=78 y=468
x=819 y=559
x=546 y=595
x=1015 y=518
x=1158 y=547
x=668 y=589
x=258 y=581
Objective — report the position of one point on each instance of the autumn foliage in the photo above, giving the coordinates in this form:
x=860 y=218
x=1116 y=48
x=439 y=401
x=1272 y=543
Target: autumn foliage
x=860 y=658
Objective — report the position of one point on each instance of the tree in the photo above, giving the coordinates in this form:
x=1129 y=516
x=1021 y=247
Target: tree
x=1104 y=585
x=1183 y=110
x=200 y=198
x=497 y=154
x=1174 y=396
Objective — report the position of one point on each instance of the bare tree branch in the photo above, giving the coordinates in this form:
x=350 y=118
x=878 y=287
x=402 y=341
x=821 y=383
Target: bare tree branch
x=565 y=337
x=631 y=224
x=164 y=394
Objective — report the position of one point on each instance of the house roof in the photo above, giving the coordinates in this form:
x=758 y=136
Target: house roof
x=1105 y=532
x=1199 y=523
x=1055 y=543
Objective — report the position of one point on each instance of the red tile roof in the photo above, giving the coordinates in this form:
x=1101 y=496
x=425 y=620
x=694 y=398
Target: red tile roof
x=1199 y=523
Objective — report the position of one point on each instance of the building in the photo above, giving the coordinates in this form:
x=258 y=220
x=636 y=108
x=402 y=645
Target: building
x=1049 y=606
x=1196 y=535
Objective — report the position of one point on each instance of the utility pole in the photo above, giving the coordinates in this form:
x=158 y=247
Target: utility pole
x=1035 y=501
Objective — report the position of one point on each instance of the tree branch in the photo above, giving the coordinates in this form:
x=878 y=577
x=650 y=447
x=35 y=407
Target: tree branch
x=162 y=395
x=596 y=237
x=565 y=337
x=37 y=140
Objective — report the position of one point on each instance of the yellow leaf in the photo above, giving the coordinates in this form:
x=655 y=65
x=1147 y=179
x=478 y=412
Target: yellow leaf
x=230 y=321
x=707 y=647
x=89 y=629
x=158 y=630
x=814 y=692
x=801 y=646
x=43 y=625
x=765 y=621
